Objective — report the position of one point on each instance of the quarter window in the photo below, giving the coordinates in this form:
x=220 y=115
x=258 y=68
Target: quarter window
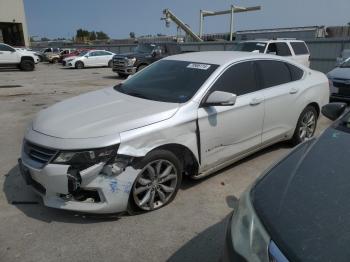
x=239 y=79
x=274 y=73
x=296 y=72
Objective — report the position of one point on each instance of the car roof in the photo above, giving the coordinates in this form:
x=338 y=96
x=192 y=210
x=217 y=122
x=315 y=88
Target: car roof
x=272 y=40
x=221 y=57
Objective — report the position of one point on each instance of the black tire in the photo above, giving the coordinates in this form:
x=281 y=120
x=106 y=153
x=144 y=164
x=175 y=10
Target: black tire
x=55 y=60
x=27 y=65
x=169 y=159
x=121 y=75
x=110 y=63
x=141 y=67
x=297 y=136
x=79 y=65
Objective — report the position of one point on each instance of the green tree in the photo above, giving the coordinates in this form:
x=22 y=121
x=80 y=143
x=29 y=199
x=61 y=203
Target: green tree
x=101 y=35
x=92 y=36
x=132 y=35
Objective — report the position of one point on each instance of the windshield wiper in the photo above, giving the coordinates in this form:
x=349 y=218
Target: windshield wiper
x=136 y=95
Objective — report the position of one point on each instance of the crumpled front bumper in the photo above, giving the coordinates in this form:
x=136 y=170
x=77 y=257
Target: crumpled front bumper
x=51 y=183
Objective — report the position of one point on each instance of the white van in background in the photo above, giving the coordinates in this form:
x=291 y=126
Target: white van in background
x=296 y=50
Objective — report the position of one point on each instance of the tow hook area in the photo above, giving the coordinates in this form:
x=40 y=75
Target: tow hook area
x=74 y=180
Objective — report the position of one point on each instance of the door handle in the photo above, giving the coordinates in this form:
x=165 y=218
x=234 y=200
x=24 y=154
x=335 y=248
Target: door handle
x=256 y=101
x=293 y=90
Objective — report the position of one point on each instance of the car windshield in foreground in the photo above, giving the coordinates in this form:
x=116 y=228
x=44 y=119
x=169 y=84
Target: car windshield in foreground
x=251 y=46
x=346 y=63
x=168 y=81
x=144 y=48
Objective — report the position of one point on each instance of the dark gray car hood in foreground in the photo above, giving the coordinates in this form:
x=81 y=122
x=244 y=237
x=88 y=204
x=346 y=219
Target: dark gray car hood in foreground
x=100 y=113
x=304 y=201
x=339 y=72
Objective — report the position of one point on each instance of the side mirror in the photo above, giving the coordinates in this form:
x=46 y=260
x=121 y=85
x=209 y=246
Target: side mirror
x=333 y=110
x=86 y=56
x=220 y=98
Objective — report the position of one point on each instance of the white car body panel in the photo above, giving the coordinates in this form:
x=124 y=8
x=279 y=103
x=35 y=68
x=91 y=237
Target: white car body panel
x=215 y=135
x=90 y=60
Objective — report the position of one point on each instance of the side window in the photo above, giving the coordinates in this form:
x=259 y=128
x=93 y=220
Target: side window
x=6 y=48
x=47 y=50
x=105 y=53
x=299 y=48
x=296 y=72
x=94 y=54
x=274 y=73
x=239 y=79
x=283 y=49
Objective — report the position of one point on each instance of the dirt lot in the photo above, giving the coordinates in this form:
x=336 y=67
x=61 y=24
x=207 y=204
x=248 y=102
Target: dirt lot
x=191 y=228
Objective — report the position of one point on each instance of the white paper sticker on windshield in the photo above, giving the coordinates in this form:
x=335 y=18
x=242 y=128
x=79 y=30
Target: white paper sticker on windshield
x=198 y=66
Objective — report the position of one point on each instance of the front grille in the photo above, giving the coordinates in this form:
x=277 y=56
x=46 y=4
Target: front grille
x=119 y=62
x=342 y=83
x=38 y=153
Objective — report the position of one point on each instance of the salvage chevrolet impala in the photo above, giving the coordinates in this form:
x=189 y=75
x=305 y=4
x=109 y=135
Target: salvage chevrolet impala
x=127 y=147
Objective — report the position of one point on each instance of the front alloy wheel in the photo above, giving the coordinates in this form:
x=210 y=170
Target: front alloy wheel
x=156 y=185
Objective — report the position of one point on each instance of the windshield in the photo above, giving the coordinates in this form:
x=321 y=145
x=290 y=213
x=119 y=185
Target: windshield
x=144 y=48
x=346 y=63
x=251 y=46
x=82 y=53
x=168 y=81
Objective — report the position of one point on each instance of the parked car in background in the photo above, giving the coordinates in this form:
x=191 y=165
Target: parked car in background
x=143 y=55
x=296 y=50
x=339 y=82
x=127 y=147
x=56 y=57
x=43 y=53
x=22 y=59
x=72 y=54
x=28 y=50
x=298 y=210
x=345 y=54
x=91 y=58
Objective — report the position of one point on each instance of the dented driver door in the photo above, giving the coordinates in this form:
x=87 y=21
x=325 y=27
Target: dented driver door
x=227 y=132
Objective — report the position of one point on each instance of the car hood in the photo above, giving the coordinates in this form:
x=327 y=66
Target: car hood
x=303 y=202
x=100 y=113
x=339 y=72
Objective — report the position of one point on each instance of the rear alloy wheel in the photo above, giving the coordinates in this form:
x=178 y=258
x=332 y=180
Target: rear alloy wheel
x=27 y=65
x=306 y=126
x=158 y=182
x=79 y=65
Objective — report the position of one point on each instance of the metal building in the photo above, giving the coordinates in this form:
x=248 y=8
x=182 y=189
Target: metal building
x=13 y=26
x=309 y=32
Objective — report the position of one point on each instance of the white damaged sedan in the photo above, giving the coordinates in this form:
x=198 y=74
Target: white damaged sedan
x=127 y=147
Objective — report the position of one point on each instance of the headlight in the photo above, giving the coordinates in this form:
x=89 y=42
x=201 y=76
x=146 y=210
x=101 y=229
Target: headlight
x=248 y=235
x=130 y=61
x=85 y=159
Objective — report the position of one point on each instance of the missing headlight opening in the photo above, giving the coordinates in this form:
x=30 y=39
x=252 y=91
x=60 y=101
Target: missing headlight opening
x=117 y=165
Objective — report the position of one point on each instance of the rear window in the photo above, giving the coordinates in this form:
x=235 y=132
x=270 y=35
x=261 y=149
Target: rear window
x=274 y=73
x=299 y=48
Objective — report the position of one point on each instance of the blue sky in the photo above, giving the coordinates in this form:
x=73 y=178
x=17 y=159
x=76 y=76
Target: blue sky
x=53 y=18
